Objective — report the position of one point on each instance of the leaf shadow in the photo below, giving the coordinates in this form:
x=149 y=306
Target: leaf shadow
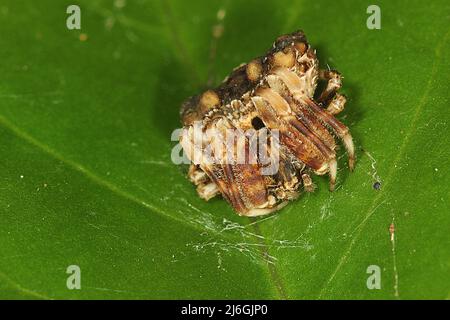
x=176 y=82
x=174 y=87
x=249 y=31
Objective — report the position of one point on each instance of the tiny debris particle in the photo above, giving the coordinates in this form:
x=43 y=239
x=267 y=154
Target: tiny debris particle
x=221 y=14
x=109 y=23
x=217 y=31
x=120 y=4
x=392 y=231
x=377 y=185
x=83 y=37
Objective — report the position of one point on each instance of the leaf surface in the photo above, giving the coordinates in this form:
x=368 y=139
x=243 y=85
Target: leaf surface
x=87 y=179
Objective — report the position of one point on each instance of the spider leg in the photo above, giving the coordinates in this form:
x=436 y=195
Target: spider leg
x=325 y=137
x=334 y=83
x=302 y=147
x=329 y=97
x=294 y=85
x=303 y=113
x=197 y=175
x=206 y=188
x=337 y=127
x=308 y=126
x=308 y=185
x=203 y=172
x=337 y=104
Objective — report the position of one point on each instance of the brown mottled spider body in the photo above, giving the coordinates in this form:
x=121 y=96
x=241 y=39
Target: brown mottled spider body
x=276 y=92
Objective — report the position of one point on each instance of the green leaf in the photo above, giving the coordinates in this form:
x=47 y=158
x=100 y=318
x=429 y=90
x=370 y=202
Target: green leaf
x=86 y=176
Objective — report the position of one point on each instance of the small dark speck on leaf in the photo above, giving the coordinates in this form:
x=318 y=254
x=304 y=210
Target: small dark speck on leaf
x=377 y=185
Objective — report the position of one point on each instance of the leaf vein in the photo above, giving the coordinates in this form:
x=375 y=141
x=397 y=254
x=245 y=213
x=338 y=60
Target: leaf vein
x=391 y=172
x=98 y=180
